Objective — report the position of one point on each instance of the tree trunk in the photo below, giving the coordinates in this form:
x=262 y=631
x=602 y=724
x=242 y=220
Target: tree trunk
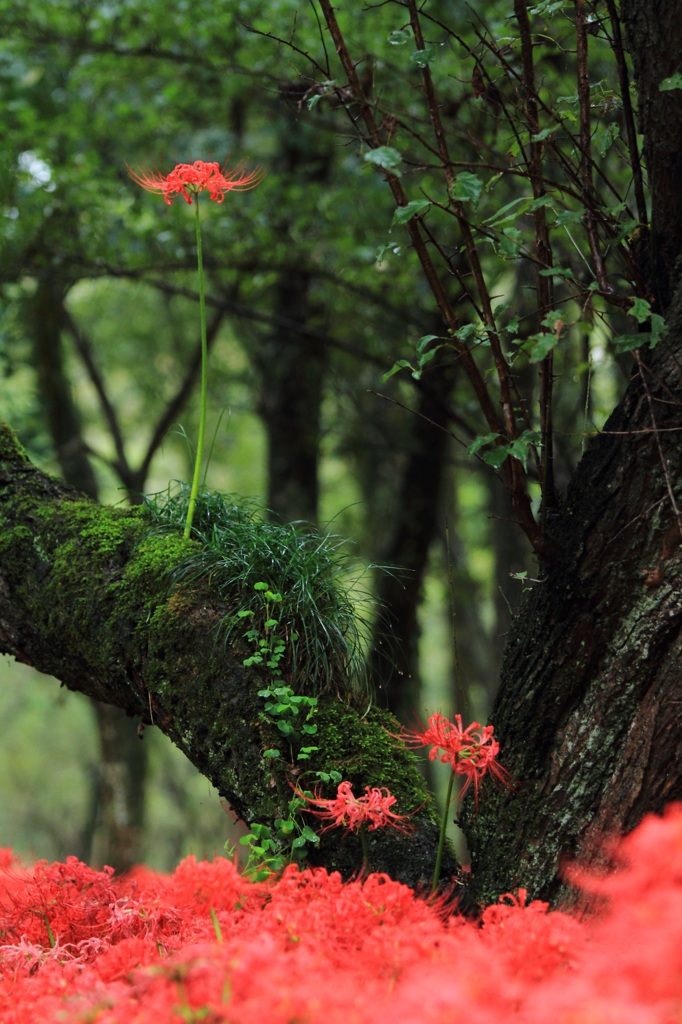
x=85 y=597
x=116 y=827
x=654 y=36
x=588 y=710
x=393 y=663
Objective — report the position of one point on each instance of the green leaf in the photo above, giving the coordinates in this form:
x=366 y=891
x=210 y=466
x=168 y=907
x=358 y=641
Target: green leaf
x=548 y=7
x=400 y=36
x=628 y=342
x=422 y=58
x=400 y=364
x=466 y=187
x=480 y=441
x=403 y=214
x=569 y=217
x=564 y=272
x=544 y=134
x=549 y=319
x=385 y=157
x=496 y=456
x=424 y=341
x=518 y=206
x=640 y=310
x=606 y=137
x=466 y=332
x=539 y=346
x=388 y=247
x=509 y=244
x=673 y=82
x=518 y=448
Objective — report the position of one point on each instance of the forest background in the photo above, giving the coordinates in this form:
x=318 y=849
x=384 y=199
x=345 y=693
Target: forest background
x=314 y=298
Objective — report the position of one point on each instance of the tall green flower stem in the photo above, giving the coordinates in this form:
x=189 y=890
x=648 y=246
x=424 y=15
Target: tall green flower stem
x=188 y=180
x=441 y=838
x=204 y=378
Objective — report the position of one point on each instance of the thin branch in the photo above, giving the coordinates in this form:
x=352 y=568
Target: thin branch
x=656 y=432
x=628 y=115
x=85 y=351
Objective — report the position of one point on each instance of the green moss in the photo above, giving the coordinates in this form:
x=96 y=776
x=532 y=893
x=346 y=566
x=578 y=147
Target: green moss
x=10 y=448
x=365 y=750
x=103 y=561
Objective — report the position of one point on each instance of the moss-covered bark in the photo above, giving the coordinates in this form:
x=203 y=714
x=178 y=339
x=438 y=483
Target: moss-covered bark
x=85 y=597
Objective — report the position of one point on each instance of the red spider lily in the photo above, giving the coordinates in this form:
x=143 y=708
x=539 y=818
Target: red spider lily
x=471 y=752
x=351 y=812
x=188 y=180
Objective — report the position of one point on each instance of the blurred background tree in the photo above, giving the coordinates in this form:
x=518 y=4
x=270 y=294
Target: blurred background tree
x=313 y=296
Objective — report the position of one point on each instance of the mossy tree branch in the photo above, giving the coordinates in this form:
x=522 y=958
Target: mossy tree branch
x=85 y=597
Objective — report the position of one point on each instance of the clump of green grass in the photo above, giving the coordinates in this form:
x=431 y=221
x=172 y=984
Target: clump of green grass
x=319 y=616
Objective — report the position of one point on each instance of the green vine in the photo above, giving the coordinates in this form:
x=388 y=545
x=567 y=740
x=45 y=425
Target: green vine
x=292 y=714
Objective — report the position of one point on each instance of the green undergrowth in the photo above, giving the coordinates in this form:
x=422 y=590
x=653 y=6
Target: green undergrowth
x=318 y=614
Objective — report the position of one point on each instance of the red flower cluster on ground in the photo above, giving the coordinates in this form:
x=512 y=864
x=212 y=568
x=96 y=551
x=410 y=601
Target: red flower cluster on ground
x=205 y=944
x=188 y=180
x=352 y=812
x=471 y=752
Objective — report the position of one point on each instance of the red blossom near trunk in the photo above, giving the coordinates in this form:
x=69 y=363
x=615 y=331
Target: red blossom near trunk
x=351 y=812
x=188 y=180
x=470 y=752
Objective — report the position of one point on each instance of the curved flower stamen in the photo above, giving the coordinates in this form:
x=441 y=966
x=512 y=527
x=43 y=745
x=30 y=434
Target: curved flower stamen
x=471 y=752
x=187 y=180
x=351 y=812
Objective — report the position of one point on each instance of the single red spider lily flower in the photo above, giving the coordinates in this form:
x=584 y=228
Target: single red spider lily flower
x=351 y=812
x=470 y=752
x=188 y=180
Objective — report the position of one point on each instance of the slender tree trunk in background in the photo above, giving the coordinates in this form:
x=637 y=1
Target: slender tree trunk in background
x=292 y=363
x=115 y=830
x=393 y=661
x=654 y=35
x=588 y=709
x=46 y=316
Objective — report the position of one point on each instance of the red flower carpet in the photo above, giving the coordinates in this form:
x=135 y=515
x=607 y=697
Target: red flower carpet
x=206 y=945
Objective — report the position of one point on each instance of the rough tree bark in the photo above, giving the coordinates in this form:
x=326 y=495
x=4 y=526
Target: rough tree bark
x=588 y=708
x=85 y=597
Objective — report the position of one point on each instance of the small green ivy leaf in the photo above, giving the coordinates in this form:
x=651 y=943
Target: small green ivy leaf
x=640 y=310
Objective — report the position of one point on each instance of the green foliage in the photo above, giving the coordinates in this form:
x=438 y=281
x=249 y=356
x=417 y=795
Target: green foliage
x=317 y=635
x=292 y=714
x=270 y=850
